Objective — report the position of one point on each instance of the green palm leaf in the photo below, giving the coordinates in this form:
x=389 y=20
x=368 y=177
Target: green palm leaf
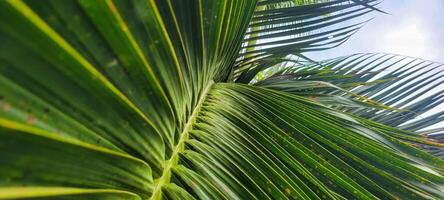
x=114 y=99
x=356 y=83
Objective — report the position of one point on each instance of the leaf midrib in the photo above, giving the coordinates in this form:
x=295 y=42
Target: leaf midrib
x=174 y=159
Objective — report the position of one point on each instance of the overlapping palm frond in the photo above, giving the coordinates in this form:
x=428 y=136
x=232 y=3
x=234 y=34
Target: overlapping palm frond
x=357 y=84
x=115 y=99
x=282 y=28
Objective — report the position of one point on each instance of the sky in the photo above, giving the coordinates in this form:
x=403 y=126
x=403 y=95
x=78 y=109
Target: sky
x=412 y=28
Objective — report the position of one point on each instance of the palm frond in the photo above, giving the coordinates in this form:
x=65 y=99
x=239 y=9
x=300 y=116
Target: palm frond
x=411 y=86
x=115 y=99
x=281 y=28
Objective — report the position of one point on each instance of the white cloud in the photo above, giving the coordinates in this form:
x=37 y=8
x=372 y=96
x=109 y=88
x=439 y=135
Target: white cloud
x=410 y=37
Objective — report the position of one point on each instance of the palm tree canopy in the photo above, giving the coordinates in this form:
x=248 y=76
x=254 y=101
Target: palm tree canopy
x=175 y=99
